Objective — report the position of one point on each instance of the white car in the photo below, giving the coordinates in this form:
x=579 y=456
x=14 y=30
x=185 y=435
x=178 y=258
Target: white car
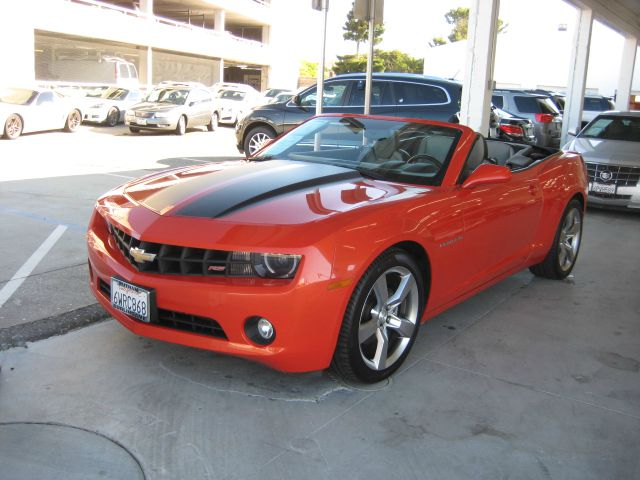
x=109 y=108
x=232 y=104
x=26 y=110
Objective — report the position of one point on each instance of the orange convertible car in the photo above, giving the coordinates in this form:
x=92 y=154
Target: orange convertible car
x=334 y=243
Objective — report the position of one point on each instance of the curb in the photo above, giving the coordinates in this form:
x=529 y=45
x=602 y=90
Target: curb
x=18 y=335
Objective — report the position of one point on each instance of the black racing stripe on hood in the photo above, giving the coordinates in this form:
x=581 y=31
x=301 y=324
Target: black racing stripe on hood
x=253 y=190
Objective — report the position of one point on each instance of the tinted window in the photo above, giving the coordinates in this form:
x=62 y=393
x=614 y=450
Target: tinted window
x=595 y=104
x=333 y=94
x=498 y=101
x=535 y=105
x=380 y=94
x=419 y=94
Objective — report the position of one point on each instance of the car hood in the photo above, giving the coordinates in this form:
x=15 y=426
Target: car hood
x=268 y=192
x=154 y=107
x=616 y=152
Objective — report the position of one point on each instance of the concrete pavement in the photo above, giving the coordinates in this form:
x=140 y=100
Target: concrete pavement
x=531 y=379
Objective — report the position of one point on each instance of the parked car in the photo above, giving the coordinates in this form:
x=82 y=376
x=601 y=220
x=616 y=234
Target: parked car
x=397 y=94
x=542 y=112
x=107 y=69
x=233 y=103
x=110 y=107
x=610 y=145
x=269 y=96
x=26 y=110
x=173 y=107
x=335 y=242
x=593 y=105
x=218 y=87
x=513 y=129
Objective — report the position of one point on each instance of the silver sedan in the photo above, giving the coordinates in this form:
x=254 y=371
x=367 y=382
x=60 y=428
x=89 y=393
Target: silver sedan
x=610 y=146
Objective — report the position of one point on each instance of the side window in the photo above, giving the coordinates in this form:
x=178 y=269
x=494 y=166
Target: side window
x=498 y=100
x=196 y=96
x=132 y=72
x=419 y=94
x=123 y=70
x=476 y=156
x=380 y=94
x=332 y=96
x=45 y=97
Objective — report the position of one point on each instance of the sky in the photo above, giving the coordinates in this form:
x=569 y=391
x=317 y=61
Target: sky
x=411 y=24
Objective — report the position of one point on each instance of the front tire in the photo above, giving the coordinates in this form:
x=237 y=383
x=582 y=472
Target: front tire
x=73 y=121
x=13 y=127
x=256 y=139
x=566 y=245
x=181 y=128
x=382 y=319
x=213 y=123
x=113 y=117
x=134 y=129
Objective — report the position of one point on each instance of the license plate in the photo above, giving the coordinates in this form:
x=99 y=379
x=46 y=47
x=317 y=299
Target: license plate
x=141 y=121
x=603 y=188
x=131 y=299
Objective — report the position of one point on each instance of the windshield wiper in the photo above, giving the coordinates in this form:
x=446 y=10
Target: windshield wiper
x=366 y=172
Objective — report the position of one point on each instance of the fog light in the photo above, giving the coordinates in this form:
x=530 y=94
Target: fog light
x=265 y=329
x=260 y=330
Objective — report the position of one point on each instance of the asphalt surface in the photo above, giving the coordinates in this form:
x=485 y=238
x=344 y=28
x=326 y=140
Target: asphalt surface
x=530 y=379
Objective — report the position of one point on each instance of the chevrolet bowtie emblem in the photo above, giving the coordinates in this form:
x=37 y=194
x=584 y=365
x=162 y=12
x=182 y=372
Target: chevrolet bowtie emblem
x=140 y=256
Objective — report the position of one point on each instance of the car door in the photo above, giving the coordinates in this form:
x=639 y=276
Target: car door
x=333 y=102
x=48 y=112
x=197 y=108
x=500 y=221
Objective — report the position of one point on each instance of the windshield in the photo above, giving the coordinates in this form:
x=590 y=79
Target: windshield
x=168 y=95
x=17 y=96
x=613 y=128
x=384 y=149
x=115 y=93
x=233 y=95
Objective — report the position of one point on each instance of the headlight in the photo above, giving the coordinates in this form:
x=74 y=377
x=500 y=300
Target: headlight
x=265 y=265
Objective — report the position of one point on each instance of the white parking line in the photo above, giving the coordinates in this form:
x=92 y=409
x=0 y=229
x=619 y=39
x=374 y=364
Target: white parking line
x=25 y=270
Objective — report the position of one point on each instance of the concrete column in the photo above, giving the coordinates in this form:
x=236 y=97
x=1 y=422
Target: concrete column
x=625 y=79
x=478 y=78
x=17 y=40
x=221 y=71
x=219 y=21
x=578 y=67
x=146 y=7
x=146 y=67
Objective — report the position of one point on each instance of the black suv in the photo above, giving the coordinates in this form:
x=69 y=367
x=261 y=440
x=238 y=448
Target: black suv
x=393 y=94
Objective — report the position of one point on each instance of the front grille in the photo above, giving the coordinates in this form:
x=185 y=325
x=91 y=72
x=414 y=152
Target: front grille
x=621 y=176
x=176 y=260
x=177 y=320
x=144 y=114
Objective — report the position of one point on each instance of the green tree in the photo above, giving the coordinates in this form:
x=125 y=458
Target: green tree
x=459 y=18
x=308 y=69
x=358 y=31
x=383 y=61
x=437 y=41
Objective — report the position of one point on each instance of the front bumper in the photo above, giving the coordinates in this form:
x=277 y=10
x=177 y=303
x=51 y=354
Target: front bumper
x=152 y=123
x=306 y=314
x=96 y=115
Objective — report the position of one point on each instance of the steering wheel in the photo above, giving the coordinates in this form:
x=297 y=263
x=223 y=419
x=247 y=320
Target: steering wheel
x=424 y=157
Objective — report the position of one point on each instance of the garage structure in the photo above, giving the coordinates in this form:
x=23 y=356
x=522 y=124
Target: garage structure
x=197 y=40
x=622 y=16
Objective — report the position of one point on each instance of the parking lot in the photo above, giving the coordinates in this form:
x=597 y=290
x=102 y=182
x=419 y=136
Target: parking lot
x=529 y=379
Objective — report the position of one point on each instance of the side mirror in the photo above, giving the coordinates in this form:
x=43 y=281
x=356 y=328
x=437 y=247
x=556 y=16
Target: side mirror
x=191 y=104
x=487 y=174
x=296 y=99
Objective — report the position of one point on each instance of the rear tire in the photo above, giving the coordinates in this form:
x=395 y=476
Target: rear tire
x=13 y=127
x=382 y=319
x=73 y=121
x=566 y=245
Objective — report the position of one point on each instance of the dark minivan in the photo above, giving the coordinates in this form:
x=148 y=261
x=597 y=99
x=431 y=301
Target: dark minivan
x=393 y=94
